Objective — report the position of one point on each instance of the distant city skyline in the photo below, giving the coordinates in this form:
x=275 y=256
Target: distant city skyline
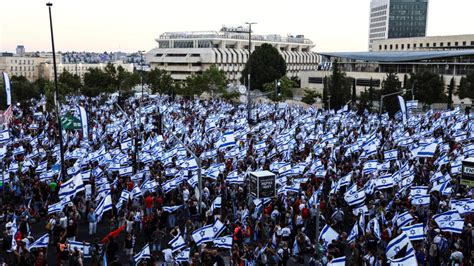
x=99 y=26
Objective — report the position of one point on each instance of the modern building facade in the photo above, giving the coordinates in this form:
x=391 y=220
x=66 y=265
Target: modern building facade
x=372 y=67
x=390 y=19
x=431 y=43
x=185 y=53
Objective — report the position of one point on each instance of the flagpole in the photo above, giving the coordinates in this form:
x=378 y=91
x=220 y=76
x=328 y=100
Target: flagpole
x=61 y=145
x=249 y=99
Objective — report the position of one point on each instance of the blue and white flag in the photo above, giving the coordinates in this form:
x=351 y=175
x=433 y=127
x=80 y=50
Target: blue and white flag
x=4 y=136
x=143 y=254
x=41 y=242
x=356 y=198
x=403 y=109
x=83 y=247
x=341 y=261
x=6 y=82
x=427 y=151
x=328 y=235
x=104 y=205
x=126 y=171
x=408 y=260
x=84 y=123
x=390 y=155
x=183 y=256
x=223 y=242
x=404 y=219
x=171 y=209
x=420 y=200
x=216 y=204
x=397 y=244
x=354 y=234
x=384 y=182
x=418 y=191
x=463 y=206
x=208 y=233
x=450 y=221
x=370 y=166
x=226 y=140
x=71 y=187
x=414 y=232
x=177 y=243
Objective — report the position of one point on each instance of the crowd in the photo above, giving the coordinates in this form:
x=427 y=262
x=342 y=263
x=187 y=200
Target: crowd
x=383 y=191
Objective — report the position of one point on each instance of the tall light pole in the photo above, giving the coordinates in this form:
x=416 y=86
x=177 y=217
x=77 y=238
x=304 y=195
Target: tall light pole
x=61 y=145
x=249 y=100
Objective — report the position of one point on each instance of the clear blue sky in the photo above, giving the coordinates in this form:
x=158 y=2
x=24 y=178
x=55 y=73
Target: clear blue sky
x=108 y=25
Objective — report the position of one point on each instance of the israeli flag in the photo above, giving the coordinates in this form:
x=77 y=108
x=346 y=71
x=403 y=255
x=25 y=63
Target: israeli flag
x=427 y=151
x=183 y=256
x=4 y=136
x=384 y=182
x=446 y=217
x=463 y=206
x=234 y=178
x=370 y=166
x=397 y=244
x=328 y=235
x=177 y=243
x=42 y=167
x=171 y=209
x=341 y=261
x=408 y=260
x=284 y=169
x=404 y=219
x=414 y=232
x=41 y=242
x=216 y=204
x=223 y=242
x=422 y=200
x=226 y=140
x=203 y=234
x=260 y=147
x=444 y=188
x=6 y=82
x=126 y=171
x=124 y=196
x=454 y=226
x=84 y=247
x=356 y=198
x=143 y=254
x=84 y=123
x=104 y=205
x=418 y=191
x=390 y=155
x=354 y=234
x=71 y=187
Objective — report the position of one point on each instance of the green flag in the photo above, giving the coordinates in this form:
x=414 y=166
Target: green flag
x=69 y=122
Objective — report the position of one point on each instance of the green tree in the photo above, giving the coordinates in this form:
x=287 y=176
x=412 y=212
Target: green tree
x=266 y=65
x=391 y=84
x=310 y=96
x=160 y=81
x=49 y=95
x=286 y=84
x=466 y=87
x=339 y=87
x=22 y=89
x=95 y=82
x=429 y=87
x=71 y=83
x=211 y=80
x=354 y=92
x=325 y=92
x=451 y=89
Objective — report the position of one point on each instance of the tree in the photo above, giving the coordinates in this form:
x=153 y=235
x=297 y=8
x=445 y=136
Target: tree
x=49 y=95
x=429 y=87
x=451 y=89
x=325 y=92
x=391 y=84
x=466 y=87
x=371 y=94
x=286 y=86
x=266 y=65
x=96 y=81
x=71 y=83
x=354 y=92
x=339 y=87
x=212 y=80
x=22 y=89
x=310 y=96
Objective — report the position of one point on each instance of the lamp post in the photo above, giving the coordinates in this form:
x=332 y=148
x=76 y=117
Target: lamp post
x=61 y=145
x=249 y=100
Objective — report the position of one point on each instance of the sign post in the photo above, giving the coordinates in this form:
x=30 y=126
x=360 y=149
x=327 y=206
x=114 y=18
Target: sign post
x=262 y=184
x=467 y=177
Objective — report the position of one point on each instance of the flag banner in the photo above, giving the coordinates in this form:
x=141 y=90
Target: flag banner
x=397 y=244
x=403 y=109
x=143 y=254
x=71 y=187
x=341 y=261
x=41 y=242
x=414 y=232
x=177 y=243
x=223 y=242
x=84 y=122
x=328 y=235
x=6 y=82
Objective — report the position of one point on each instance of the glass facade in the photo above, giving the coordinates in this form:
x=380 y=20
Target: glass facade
x=407 y=18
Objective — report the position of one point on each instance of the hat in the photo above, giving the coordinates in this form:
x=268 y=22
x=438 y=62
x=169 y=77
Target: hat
x=437 y=230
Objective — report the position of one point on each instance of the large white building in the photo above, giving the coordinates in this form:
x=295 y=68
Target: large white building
x=185 y=53
x=391 y=19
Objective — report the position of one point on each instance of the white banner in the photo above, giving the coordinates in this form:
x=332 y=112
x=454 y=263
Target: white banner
x=403 y=108
x=6 y=81
x=85 y=127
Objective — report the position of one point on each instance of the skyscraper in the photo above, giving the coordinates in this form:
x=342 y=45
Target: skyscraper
x=391 y=19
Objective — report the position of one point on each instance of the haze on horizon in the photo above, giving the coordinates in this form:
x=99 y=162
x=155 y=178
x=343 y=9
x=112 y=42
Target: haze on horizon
x=129 y=26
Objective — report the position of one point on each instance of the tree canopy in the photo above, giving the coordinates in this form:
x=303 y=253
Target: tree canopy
x=339 y=87
x=266 y=65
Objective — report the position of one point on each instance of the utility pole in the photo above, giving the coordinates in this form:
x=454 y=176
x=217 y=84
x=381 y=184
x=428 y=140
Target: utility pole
x=249 y=100
x=58 y=110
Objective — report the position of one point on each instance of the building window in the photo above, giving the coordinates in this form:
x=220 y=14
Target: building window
x=164 y=44
x=391 y=47
x=414 y=45
x=385 y=47
x=434 y=44
x=380 y=47
x=463 y=43
x=449 y=43
x=441 y=44
x=456 y=43
x=204 y=44
x=421 y=45
x=396 y=46
x=427 y=45
x=183 y=44
x=408 y=46
x=403 y=46
x=11 y=68
x=472 y=42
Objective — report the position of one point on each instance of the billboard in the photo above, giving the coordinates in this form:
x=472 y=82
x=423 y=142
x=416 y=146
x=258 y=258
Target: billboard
x=467 y=177
x=262 y=184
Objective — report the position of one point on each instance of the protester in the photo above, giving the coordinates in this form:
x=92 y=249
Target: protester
x=382 y=190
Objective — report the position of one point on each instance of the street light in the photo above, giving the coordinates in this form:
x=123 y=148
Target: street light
x=56 y=94
x=249 y=101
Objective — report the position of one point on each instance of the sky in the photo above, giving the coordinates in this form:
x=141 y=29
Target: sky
x=130 y=26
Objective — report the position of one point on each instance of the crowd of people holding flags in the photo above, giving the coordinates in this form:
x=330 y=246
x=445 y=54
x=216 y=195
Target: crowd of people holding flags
x=128 y=188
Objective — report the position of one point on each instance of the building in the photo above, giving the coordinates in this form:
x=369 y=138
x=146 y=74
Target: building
x=22 y=66
x=46 y=69
x=186 y=53
x=20 y=50
x=390 y=19
x=451 y=42
x=372 y=67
